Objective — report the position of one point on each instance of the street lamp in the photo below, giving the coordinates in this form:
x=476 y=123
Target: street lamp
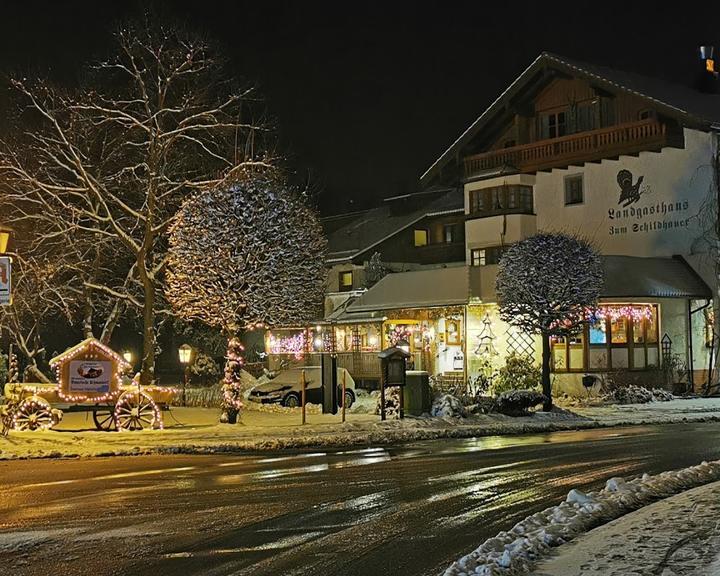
x=185 y=354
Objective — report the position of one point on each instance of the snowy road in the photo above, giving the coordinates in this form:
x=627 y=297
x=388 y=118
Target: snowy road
x=411 y=509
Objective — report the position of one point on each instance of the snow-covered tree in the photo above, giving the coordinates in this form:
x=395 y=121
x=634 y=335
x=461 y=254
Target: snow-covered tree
x=545 y=285
x=375 y=270
x=107 y=164
x=244 y=255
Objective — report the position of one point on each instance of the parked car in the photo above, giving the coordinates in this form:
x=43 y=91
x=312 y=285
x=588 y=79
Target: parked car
x=285 y=388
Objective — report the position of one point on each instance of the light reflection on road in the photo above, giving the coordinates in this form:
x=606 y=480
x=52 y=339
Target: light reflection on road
x=377 y=510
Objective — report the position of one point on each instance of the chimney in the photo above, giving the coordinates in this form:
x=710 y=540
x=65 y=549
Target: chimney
x=707 y=73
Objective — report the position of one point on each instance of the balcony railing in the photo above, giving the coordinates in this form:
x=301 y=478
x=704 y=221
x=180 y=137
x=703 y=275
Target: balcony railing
x=628 y=138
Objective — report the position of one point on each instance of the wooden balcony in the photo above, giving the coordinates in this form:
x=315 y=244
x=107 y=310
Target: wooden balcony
x=595 y=145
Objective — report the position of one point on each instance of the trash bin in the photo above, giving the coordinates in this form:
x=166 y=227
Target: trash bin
x=417 y=397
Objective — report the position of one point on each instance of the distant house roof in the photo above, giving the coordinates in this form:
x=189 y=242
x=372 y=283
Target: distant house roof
x=629 y=276
x=362 y=231
x=690 y=106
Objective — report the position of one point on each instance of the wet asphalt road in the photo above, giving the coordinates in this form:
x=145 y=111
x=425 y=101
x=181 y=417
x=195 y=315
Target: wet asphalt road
x=409 y=509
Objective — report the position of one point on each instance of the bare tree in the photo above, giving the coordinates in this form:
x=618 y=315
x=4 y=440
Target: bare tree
x=545 y=285
x=242 y=255
x=107 y=165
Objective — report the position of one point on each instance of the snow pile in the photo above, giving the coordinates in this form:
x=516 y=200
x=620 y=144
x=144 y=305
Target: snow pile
x=515 y=552
x=660 y=395
x=639 y=395
x=517 y=402
x=447 y=406
x=276 y=408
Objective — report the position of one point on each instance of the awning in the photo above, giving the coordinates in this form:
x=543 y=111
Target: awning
x=630 y=276
x=341 y=315
x=452 y=286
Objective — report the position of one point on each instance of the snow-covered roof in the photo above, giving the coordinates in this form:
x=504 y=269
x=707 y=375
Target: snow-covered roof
x=366 y=230
x=625 y=277
x=451 y=286
x=83 y=346
x=630 y=276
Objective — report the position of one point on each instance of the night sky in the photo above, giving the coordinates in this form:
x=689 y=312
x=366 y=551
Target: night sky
x=368 y=95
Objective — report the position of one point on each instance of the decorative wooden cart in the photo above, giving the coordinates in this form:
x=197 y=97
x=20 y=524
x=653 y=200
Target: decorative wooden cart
x=90 y=378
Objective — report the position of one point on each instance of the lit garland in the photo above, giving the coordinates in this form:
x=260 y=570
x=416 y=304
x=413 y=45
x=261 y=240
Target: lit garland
x=295 y=345
x=614 y=313
x=232 y=393
x=400 y=332
x=34 y=413
x=124 y=415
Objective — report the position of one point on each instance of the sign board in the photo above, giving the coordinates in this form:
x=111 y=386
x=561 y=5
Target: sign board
x=90 y=376
x=5 y=280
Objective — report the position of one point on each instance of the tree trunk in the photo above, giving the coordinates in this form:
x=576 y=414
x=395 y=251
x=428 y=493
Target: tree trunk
x=111 y=322
x=546 y=386
x=147 y=374
x=87 y=314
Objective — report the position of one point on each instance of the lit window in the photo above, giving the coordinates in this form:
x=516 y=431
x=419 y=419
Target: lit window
x=449 y=233
x=421 y=237
x=477 y=257
x=346 y=281
x=574 y=190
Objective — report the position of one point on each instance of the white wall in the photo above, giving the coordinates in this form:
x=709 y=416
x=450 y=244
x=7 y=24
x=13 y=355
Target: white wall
x=666 y=220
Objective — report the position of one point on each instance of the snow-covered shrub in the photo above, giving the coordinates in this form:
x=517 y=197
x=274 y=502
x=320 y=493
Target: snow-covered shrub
x=631 y=395
x=447 y=406
x=518 y=373
x=517 y=402
x=205 y=368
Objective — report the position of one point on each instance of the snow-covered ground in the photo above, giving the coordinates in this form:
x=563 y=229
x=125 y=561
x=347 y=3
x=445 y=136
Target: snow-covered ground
x=612 y=549
x=195 y=430
x=673 y=537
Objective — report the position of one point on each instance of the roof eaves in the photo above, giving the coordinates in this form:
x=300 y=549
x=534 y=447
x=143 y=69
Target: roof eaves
x=487 y=112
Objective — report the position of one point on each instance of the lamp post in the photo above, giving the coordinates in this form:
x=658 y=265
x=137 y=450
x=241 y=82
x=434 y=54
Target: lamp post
x=185 y=354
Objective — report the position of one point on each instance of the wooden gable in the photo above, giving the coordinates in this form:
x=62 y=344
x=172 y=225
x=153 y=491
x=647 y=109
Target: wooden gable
x=89 y=371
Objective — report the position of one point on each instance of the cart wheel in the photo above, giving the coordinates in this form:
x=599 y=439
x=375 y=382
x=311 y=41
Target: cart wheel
x=136 y=411
x=104 y=418
x=33 y=413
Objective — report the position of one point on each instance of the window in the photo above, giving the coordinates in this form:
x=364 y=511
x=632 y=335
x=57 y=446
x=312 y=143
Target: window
x=511 y=199
x=486 y=256
x=449 y=233
x=553 y=125
x=574 y=190
x=477 y=257
x=346 y=281
x=646 y=114
x=421 y=237
x=620 y=336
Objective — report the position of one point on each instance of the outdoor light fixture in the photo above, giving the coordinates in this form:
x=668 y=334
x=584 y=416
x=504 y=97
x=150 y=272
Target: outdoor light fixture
x=128 y=356
x=185 y=353
x=4 y=239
